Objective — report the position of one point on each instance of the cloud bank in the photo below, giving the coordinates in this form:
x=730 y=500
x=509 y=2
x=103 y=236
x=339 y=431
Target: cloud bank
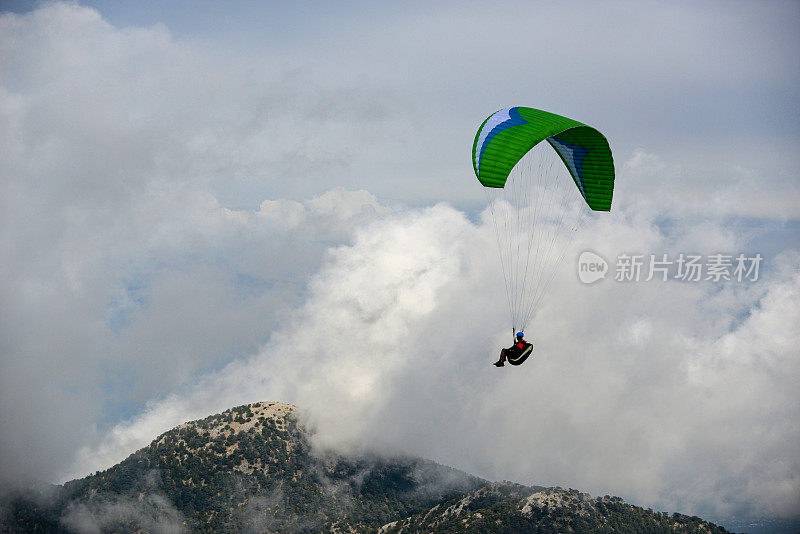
x=677 y=394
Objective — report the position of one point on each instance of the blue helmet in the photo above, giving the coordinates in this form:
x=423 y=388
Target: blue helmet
x=519 y=334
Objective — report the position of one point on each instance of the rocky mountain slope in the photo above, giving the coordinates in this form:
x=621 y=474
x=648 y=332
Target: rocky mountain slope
x=251 y=469
x=509 y=507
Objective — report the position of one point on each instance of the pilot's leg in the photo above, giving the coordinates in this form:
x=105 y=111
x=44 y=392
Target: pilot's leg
x=501 y=361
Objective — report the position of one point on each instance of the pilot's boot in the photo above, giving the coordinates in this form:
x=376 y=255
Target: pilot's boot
x=501 y=361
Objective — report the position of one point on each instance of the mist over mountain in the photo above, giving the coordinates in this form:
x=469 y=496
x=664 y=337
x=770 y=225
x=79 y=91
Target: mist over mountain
x=253 y=469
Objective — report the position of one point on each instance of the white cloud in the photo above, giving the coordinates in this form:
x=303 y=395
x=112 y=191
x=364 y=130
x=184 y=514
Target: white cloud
x=718 y=189
x=652 y=390
x=115 y=249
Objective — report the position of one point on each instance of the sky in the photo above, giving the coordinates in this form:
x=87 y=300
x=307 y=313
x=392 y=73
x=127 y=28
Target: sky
x=231 y=203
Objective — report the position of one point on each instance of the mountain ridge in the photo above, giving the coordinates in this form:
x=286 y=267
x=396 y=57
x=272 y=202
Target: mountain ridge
x=252 y=469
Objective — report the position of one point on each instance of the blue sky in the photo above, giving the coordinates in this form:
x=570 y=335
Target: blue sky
x=187 y=192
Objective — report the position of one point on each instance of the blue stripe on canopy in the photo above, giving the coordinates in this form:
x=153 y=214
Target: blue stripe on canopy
x=514 y=119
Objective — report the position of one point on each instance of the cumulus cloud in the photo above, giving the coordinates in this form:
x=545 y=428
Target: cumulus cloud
x=114 y=235
x=665 y=392
x=146 y=280
x=203 y=292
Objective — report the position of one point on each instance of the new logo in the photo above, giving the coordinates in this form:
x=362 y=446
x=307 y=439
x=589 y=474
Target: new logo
x=591 y=267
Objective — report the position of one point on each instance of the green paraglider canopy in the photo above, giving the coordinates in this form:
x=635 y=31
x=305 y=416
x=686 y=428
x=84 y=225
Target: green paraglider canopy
x=535 y=208
x=507 y=135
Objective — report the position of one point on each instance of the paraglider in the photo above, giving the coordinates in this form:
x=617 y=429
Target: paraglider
x=516 y=353
x=535 y=209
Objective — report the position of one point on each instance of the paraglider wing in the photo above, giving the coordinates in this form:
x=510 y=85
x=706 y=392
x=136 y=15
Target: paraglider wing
x=507 y=135
x=535 y=209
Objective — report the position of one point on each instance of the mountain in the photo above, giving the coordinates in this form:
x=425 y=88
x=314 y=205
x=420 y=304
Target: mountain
x=509 y=507
x=252 y=469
